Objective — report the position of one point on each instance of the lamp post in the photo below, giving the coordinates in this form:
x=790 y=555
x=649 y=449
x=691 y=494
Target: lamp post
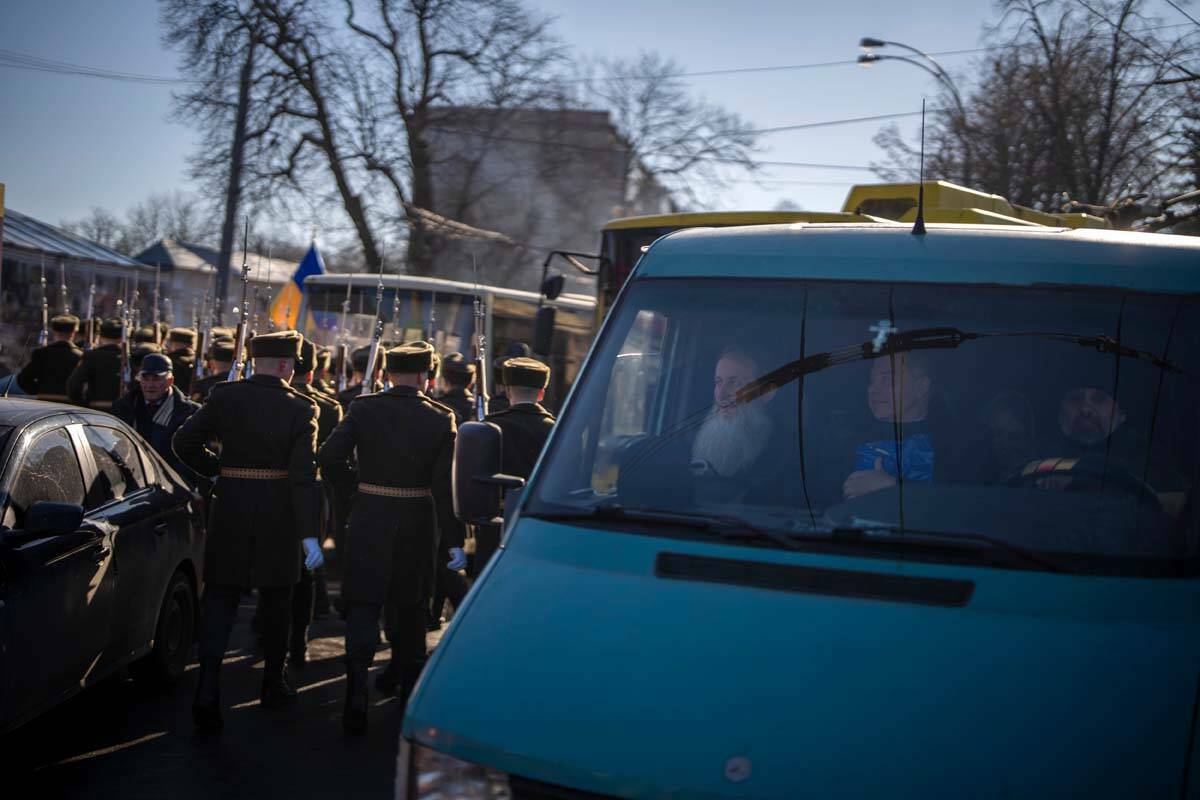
x=929 y=64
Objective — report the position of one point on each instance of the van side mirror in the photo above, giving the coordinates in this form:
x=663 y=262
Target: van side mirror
x=543 y=330
x=477 y=482
x=53 y=519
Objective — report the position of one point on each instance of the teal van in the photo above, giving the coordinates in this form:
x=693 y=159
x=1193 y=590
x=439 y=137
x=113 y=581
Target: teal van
x=842 y=511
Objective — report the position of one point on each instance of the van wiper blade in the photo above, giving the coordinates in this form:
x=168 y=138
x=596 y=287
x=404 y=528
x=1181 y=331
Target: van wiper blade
x=724 y=525
x=894 y=534
x=938 y=338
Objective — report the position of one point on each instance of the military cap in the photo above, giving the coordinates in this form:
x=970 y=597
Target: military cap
x=145 y=334
x=64 y=323
x=359 y=358
x=222 y=333
x=307 y=360
x=526 y=372
x=155 y=364
x=281 y=344
x=323 y=357
x=222 y=350
x=457 y=365
x=138 y=352
x=111 y=328
x=182 y=336
x=410 y=358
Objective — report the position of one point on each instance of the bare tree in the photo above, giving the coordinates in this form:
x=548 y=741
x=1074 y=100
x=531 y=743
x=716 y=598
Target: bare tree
x=1083 y=103
x=101 y=227
x=672 y=137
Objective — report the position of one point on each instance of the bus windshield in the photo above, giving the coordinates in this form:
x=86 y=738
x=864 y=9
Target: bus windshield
x=1060 y=424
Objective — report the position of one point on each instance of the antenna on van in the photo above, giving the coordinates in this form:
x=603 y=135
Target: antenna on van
x=919 y=226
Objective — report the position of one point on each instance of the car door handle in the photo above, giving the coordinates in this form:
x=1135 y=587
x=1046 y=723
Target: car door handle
x=161 y=528
x=101 y=553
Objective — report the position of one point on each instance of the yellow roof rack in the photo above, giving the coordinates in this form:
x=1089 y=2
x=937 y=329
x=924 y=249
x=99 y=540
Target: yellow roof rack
x=948 y=202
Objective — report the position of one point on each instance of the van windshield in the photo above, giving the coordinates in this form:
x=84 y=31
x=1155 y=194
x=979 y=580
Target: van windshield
x=1057 y=423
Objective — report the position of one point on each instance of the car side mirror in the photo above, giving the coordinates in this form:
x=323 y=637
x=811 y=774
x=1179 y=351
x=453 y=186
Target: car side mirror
x=543 y=330
x=477 y=481
x=53 y=519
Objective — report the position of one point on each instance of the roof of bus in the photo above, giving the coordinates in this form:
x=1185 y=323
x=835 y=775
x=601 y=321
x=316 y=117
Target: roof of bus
x=728 y=218
x=367 y=280
x=984 y=254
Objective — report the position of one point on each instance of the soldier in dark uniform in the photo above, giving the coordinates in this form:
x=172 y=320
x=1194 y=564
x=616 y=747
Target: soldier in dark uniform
x=265 y=508
x=145 y=335
x=321 y=381
x=404 y=443
x=180 y=342
x=220 y=361
x=330 y=414
x=49 y=367
x=459 y=376
x=96 y=381
x=525 y=425
x=499 y=400
x=358 y=361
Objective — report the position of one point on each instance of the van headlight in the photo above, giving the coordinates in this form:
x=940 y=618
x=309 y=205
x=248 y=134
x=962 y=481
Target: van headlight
x=429 y=775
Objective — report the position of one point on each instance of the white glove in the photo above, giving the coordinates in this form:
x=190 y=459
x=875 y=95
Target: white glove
x=313 y=557
x=458 y=559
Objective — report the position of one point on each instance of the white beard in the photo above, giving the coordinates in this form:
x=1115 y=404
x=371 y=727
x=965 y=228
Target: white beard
x=730 y=444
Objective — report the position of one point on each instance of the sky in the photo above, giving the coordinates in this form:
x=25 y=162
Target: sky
x=69 y=143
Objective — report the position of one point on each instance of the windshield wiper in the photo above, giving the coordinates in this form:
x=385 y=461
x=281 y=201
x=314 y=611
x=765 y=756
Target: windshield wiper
x=940 y=338
x=726 y=526
x=895 y=535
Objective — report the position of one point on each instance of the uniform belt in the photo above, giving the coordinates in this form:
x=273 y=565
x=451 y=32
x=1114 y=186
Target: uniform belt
x=254 y=474
x=100 y=404
x=53 y=398
x=395 y=491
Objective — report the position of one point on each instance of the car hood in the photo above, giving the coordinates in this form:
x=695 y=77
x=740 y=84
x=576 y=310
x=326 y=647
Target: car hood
x=571 y=663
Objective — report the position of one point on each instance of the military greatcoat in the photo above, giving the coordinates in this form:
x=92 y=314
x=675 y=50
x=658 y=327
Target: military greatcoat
x=404 y=440
x=48 y=369
x=525 y=427
x=266 y=499
x=100 y=371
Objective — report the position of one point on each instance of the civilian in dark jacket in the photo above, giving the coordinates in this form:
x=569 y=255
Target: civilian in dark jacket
x=157 y=409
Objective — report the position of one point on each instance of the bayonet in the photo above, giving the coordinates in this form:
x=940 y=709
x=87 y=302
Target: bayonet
x=368 y=384
x=239 y=359
x=44 y=334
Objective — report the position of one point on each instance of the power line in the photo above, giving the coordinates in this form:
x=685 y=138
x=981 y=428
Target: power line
x=15 y=60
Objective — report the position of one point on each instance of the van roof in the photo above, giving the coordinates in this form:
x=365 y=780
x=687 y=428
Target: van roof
x=984 y=254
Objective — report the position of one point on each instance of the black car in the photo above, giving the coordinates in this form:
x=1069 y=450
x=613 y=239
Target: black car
x=101 y=553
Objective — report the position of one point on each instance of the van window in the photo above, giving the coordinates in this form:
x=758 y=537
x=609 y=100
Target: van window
x=1057 y=423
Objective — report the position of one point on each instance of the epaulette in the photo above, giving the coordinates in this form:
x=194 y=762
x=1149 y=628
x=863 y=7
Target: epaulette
x=440 y=406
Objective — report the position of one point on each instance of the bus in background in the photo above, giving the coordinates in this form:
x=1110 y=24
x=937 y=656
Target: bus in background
x=442 y=312
x=622 y=241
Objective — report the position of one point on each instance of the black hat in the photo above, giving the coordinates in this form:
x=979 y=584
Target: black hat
x=155 y=364
x=411 y=358
x=358 y=359
x=64 y=323
x=306 y=362
x=222 y=350
x=281 y=344
x=222 y=333
x=514 y=350
x=145 y=334
x=456 y=365
x=182 y=336
x=323 y=358
x=526 y=372
x=111 y=328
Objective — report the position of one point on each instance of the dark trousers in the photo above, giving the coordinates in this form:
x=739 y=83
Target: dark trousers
x=406 y=632
x=487 y=542
x=450 y=586
x=303 y=602
x=217 y=612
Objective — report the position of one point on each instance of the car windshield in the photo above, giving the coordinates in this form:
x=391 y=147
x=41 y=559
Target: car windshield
x=1057 y=423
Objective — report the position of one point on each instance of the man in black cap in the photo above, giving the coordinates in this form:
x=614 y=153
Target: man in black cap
x=524 y=425
x=145 y=335
x=220 y=361
x=157 y=408
x=499 y=399
x=96 y=380
x=321 y=381
x=49 y=367
x=266 y=503
x=459 y=376
x=311 y=583
x=397 y=446
x=179 y=344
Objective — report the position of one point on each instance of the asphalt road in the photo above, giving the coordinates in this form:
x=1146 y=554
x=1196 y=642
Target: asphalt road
x=119 y=740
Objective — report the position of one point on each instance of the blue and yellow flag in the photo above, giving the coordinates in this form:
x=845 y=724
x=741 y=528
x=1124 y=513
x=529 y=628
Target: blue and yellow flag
x=285 y=309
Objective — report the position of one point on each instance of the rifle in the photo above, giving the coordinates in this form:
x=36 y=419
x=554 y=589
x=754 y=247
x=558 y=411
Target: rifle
x=343 y=349
x=239 y=360
x=155 y=316
x=372 y=361
x=481 y=365
x=89 y=331
x=270 y=294
x=126 y=368
x=43 y=338
x=64 y=298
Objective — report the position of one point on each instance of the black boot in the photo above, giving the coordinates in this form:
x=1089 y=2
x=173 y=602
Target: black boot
x=298 y=655
x=276 y=692
x=389 y=679
x=408 y=679
x=206 y=707
x=354 y=716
